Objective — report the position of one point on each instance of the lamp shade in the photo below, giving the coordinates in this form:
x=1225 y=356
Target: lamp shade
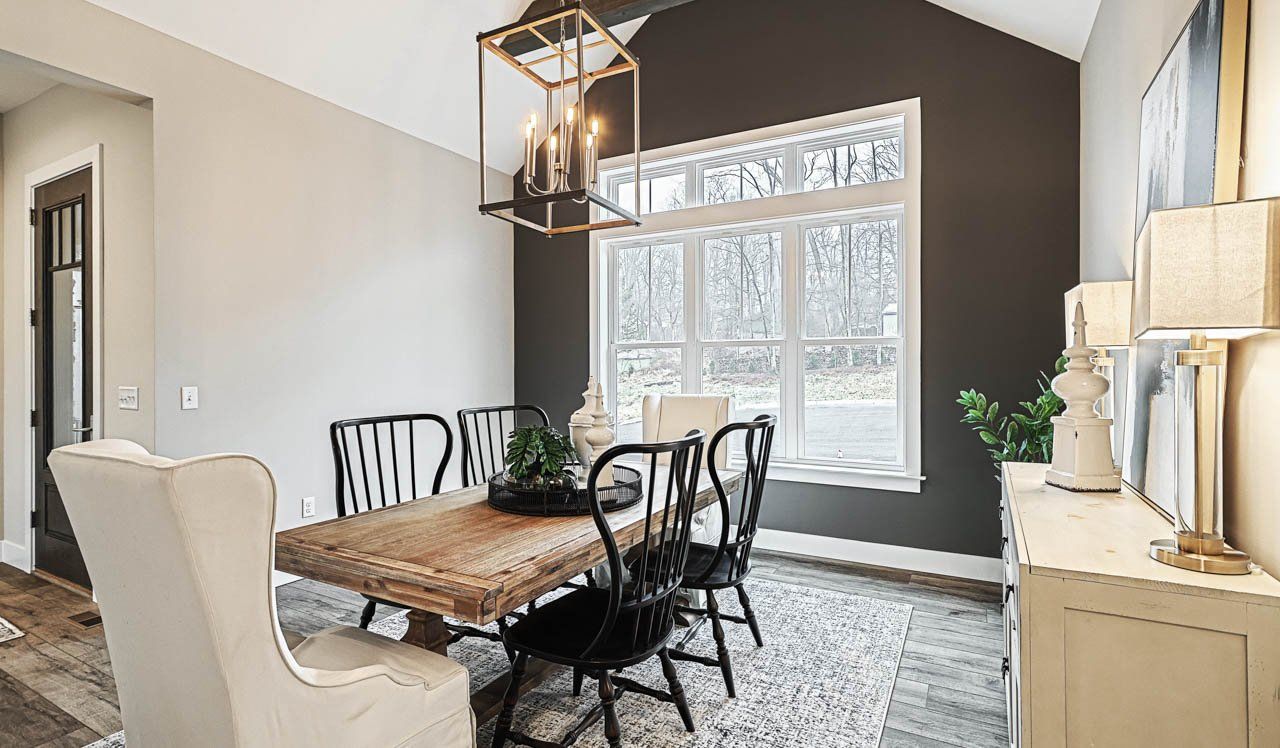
x=1106 y=311
x=1214 y=268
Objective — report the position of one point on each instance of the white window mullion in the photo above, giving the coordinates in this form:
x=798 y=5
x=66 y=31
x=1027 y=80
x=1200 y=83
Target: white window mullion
x=792 y=170
x=792 y=370
x=692 y=352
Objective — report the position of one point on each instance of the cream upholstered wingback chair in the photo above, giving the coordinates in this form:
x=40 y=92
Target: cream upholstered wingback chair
x=668 y=417
x=181 y=552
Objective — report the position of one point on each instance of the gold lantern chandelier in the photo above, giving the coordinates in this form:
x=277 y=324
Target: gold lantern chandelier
x=550 y=50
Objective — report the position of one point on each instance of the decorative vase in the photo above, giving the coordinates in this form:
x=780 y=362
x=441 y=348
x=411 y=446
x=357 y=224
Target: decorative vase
x=580 y=423
x=600 y=436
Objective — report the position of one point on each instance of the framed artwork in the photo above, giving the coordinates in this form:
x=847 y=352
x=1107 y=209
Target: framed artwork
x=1188 y=154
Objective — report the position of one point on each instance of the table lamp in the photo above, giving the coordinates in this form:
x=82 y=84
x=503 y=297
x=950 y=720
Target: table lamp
x=1106 y=305
x=1208 y=274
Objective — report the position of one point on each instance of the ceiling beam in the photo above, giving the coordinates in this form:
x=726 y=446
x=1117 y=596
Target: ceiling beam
x=610 y=12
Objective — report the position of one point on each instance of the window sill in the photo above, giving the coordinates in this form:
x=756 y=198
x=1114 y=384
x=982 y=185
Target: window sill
x=832 y=475
x=827 y=475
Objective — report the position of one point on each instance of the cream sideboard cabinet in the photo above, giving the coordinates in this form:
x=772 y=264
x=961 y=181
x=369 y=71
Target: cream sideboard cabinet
x=1106 y=647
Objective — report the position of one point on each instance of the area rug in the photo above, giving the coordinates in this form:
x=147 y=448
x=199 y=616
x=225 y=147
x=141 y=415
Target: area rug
x=822 y=680
x=8 y=631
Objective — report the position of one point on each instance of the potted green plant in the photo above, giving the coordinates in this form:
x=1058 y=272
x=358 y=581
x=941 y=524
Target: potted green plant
x=1017 y=437
x=540 y=457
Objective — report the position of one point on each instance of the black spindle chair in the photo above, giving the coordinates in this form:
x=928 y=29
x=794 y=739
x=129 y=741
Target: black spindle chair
x=483 y=432
x=383 y=461
x=597 y=630
x=727 y=564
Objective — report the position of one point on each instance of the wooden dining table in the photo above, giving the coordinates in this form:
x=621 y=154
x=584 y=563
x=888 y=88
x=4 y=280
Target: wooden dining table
x=452 y=555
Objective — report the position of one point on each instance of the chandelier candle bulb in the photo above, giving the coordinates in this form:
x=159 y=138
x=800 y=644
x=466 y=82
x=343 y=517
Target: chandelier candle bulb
x=593 y=155
x=530 y=147
x=566 y=161
x=591 y=161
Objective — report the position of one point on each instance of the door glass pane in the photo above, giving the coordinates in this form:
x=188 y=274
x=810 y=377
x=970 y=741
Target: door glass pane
x=751 y=375
x=852 y=163
x=851 y=280
x=851 y=403
x=79 y=232
x=742 y=287
x=643 y=371
x=55 y=238
x=66 y=382
x=650 y=293
x=748 y=180
x=68 y=240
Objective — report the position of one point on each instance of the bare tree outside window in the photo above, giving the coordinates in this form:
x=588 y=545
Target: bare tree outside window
x=742 y=287
x=743 y=181
x=790 y=302
x=852 y=163
x=851 y=279
x=650 y=293
x=657 y=194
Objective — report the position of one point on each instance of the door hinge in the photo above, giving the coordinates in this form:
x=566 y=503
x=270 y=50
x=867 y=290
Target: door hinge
x=35 y=420
x=34 y=317
x=31 y=216
x=35 y=518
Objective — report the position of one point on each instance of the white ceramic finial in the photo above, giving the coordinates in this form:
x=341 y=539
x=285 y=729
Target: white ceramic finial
x=1081 y=438
x=580 y=422
x=600 y=436
x=1080 y=385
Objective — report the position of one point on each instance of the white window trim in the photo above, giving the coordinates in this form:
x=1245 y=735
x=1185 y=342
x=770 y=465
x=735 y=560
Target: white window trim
x=814 y=206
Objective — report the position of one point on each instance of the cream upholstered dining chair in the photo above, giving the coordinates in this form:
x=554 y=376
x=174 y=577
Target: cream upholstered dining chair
x=180 y=553
x=668 y=417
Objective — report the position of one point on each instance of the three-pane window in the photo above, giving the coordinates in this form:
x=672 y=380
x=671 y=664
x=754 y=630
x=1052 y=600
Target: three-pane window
x=796 y=311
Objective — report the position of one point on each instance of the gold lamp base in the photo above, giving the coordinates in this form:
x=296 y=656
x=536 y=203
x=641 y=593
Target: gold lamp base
x=1166 y=551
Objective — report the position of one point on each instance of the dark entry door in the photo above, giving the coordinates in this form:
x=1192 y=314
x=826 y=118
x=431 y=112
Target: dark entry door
x=63 y=369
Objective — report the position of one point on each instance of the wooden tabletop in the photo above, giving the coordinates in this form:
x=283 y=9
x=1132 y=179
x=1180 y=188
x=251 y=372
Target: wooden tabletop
x=455 y=555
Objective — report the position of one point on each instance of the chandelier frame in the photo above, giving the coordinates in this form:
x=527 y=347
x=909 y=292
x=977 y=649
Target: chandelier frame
x=573 y=18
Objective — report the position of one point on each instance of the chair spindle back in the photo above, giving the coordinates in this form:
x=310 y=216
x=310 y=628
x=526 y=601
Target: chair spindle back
x=649 y=598
x=484 y=437
x=376 y=460
x=758 y=439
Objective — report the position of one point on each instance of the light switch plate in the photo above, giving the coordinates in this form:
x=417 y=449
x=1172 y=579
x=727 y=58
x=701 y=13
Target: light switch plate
x=128 y=397
x=190 y=398
x=308 y=506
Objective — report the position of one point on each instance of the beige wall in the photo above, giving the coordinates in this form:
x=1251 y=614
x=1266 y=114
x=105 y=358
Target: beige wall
x=2 y=222
x=56 y=124
x=1129 y=40
x=310 y=263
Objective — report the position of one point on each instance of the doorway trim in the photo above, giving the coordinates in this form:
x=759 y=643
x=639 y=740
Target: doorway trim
x=24 y=558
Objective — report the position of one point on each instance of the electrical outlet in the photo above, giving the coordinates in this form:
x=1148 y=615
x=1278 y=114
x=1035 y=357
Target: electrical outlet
x=308 y=506
x=190 y=398
x=127 y=397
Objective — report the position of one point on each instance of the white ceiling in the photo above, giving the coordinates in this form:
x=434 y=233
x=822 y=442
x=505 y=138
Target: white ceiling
x=18 y=86
x=407 y=64
x=411 y=64
x=1060 y=26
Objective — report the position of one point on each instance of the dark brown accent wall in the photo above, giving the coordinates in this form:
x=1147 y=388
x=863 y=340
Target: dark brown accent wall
x=1000 y=120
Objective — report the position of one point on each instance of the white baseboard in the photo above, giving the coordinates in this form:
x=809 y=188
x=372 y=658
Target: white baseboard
x=877 y=554
x=15 y=555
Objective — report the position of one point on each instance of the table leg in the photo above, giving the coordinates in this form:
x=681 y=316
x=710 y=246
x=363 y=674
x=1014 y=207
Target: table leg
x=427 y=630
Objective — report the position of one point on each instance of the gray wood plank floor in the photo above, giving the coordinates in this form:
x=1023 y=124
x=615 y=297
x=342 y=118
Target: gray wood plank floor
x=56 y=687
